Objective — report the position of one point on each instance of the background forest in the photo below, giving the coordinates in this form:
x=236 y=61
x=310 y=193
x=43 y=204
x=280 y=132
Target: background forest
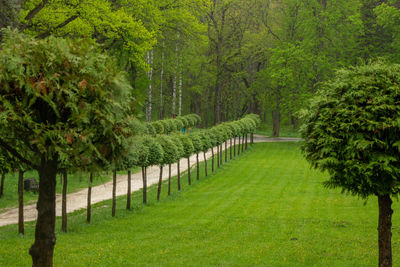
x=222 y=59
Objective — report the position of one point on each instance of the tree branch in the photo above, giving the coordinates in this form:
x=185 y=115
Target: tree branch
x=36 y=10
x=16 y=154
x=65 y=23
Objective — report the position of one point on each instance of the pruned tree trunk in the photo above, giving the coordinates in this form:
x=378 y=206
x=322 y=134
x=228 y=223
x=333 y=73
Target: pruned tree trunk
x=3 y=178
x=64 y=203
x=114 y=190
x=21 y=202
x=242 y=143
x=246 y=142
x=45 y=238
x=159 y=183
x=252 y=138
x=89 y=199
x=197 y=166
x=128 y=194
x=234 y=146
x=226 y=151
x=220 y=151
x=179 y=174
x=188 y=162
x=212 y=159
x=218 y=156
x=205 y=163
x=238 y=152
x=385 y=231
x=169 y=179
x=230 y=148
x=144 y=178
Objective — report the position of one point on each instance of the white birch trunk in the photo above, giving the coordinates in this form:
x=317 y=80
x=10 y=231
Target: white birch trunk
x=161 y=83
x=150 y=75
x=175 y=77
x=180 y=87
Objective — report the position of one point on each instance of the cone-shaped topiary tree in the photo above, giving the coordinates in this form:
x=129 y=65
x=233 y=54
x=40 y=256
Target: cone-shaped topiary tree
x=352 y=130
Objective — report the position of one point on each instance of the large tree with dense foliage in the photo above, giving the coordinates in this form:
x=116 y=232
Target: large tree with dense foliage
x=61 y=101
x=352 y=131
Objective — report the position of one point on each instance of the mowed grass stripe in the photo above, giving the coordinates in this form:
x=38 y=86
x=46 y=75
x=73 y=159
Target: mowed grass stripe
x=264 y=208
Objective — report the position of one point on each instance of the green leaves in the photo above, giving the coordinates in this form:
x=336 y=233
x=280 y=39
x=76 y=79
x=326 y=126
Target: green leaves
x=351 y=129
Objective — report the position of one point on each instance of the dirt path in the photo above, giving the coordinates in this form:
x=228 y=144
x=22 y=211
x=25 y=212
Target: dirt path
x=78 y=200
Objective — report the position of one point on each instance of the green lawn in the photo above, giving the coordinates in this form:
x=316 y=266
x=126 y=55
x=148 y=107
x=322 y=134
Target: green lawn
x=286 y=130
x=265 y=208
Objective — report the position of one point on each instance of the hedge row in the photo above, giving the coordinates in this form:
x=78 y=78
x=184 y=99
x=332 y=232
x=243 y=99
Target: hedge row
x=168 y=126
x=165 y=150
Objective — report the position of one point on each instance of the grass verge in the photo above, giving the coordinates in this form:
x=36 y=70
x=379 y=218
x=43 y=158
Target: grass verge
x=265 y=208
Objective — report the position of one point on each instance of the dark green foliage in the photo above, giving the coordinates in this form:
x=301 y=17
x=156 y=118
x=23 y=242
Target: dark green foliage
x=158 y=127
x=150 y=129
x=352 y=130
x=205 y=140
x=170 y=150
x=187 y=144
x=179 y=147
x=184 y=121
x=197 y=142
x=156 y=152
x=178 y=124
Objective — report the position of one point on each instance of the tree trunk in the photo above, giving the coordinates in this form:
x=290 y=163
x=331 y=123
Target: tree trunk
x=239 y=146
x=159 y=183
x=212 y=159
x=218 y=156
x=276 y=122
x=252 y=138
x=179 y=174
x=234 y=146
x=21 y=202
x=205 y=163
x=144 y=178
x=114 y=190
x=242 y=143
x=45 y=238
x=226 y=151
x=89 y=199
x=169 y=179
x=180 y=89
x=220 y=152
x=150 y=76
x=246 y=142
x=230 y=148
x=128 y=195
x=189 y=180
x=3 y=177
x=197 y=166
x=161 y=85
x=64 y=203
x=385 y=231
x=175 y=77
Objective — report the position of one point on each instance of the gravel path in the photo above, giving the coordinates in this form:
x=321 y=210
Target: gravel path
x=78 y=200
